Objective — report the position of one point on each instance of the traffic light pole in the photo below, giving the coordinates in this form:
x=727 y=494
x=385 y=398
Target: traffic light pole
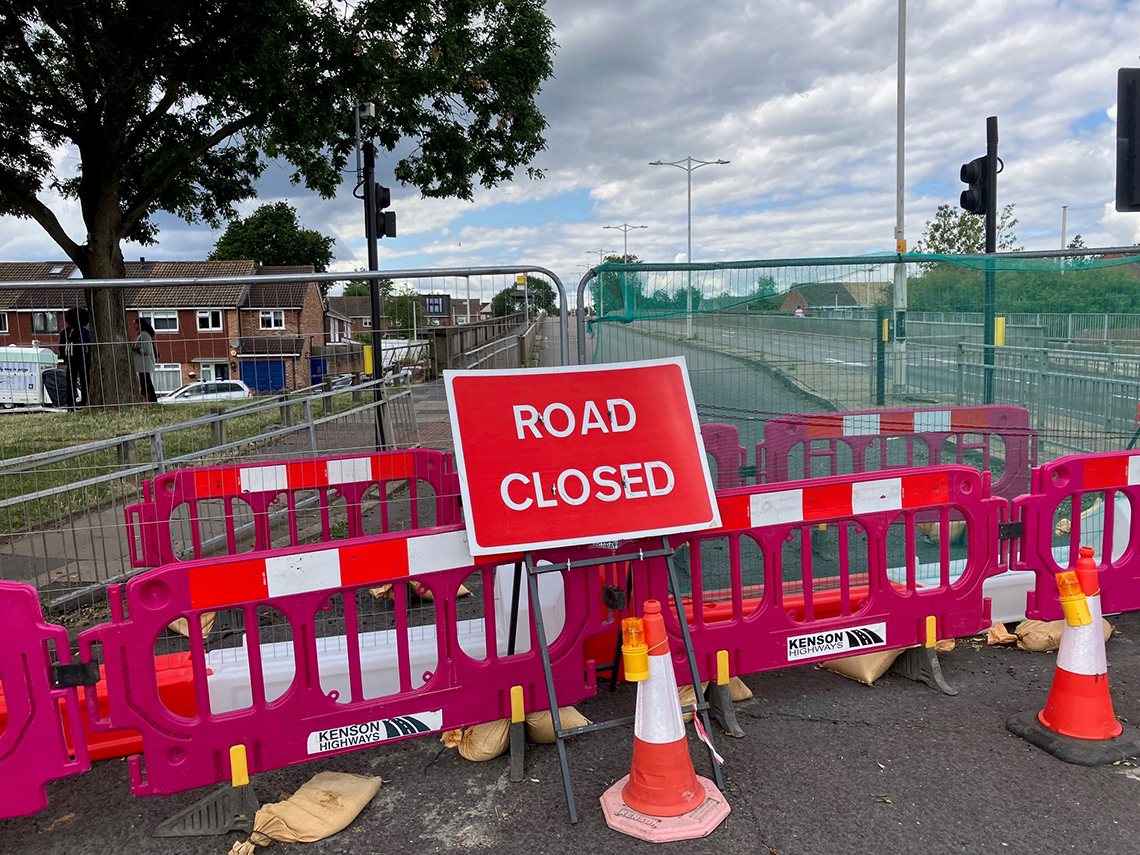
x=990 y=295
x=374 y=289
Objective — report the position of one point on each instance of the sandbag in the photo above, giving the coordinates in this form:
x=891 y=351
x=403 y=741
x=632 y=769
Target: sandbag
x=540 y=726
x=182 y=627
x=324 y=805
x=1045 y=636
x=481 y=742
x=998 y=634
x=737 y=691
x=417 y=589
x=931 y=531
x=866 y=667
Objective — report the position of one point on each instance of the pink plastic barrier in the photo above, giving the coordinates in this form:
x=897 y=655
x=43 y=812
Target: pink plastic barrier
x=309 y=721
x=864 y=434
x=722 y=443
x=261 y=486
x=32 y=747
x=768 y=614
x=1069 y=479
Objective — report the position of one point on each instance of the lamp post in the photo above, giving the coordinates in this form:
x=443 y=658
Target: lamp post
x=625 y=229
x=689 y=164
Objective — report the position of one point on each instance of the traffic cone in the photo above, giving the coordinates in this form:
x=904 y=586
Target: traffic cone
x=662 y=798
x=1078 y=724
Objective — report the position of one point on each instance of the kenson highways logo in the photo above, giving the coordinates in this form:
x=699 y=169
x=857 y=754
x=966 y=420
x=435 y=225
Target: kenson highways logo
x=837 y=641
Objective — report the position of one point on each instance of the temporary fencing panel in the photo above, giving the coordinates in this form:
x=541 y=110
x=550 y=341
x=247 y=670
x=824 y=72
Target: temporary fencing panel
x=1089 y=500
x=867 y=434
x=33 y=749
x=308 y=720
x=769 y=613
x=259 y=487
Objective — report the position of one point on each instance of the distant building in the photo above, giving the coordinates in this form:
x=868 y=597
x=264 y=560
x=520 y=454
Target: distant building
x=817 y=295
x=261 y=333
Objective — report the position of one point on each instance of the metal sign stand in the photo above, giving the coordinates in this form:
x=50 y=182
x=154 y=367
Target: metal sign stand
x=560 y=733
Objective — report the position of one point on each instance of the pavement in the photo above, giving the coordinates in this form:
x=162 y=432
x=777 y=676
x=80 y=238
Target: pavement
x=827 y=765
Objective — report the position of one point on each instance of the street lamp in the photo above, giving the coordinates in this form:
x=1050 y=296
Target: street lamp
x=625 y=229
x=689 y=164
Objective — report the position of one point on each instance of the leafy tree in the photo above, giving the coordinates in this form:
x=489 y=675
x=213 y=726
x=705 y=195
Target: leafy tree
x=539 y=293
x=360 y=288
x=272 y=235
x=617 y=292
x=178 y=106
x=1077 y=243
x=765 y=297
x=406 y=311
x=955 y=232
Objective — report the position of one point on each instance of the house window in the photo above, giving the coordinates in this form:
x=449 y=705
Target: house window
x=167 y=377
x=210 y=320
x=163 y=322
x=45 y=322
x=272 y=319
x=3 y=323
x=367 y=322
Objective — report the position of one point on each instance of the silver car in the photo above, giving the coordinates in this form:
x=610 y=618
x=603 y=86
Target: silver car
x=208 y=390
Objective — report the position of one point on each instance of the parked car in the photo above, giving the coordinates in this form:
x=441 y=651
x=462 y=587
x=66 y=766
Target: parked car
x=207 y=390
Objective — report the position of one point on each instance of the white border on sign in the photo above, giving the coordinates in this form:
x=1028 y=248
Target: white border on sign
x=472 y=542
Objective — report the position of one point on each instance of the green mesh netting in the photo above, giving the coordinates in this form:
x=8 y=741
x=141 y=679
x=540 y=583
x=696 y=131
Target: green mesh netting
x=1071 y=353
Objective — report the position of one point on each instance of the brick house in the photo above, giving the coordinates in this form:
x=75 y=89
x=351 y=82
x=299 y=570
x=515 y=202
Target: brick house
x=817 y=295
x=262 y=333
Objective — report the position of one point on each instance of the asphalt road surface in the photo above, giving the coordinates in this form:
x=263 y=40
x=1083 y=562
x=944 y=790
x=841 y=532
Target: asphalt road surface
x=827 y=766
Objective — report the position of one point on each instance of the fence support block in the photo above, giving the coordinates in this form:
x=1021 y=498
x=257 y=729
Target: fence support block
x=921 y=665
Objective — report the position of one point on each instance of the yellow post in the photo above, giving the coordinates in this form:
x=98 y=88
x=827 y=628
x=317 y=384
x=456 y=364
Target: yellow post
x=518 y=714
x=886 y=329
x=999 y=332
x=368 y=360
x=239 y=769
x=722 y=667
x=931 y=631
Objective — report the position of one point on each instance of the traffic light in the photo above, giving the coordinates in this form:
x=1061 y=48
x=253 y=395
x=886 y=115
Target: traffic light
x=385 y=220
x=974 y=173
x=1128 y=139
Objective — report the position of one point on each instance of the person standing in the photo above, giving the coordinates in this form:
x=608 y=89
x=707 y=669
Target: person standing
x=145 y=358
x=71 y=352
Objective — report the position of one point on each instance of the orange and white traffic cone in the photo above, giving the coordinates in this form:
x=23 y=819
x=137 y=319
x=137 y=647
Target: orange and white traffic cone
x=1078 y=724
x=662 y=798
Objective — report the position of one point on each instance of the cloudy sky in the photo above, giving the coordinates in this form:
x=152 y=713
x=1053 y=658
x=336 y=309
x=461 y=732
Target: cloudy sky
x=800 y=97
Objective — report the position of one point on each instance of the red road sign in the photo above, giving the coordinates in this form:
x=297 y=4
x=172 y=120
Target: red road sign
x=578 y=454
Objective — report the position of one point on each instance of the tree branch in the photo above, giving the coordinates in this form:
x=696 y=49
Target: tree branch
x=169 y=98
x=148 y=197
x=41 y=213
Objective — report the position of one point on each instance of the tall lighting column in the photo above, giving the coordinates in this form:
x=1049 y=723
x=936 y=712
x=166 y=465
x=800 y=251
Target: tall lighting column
x=689 y=164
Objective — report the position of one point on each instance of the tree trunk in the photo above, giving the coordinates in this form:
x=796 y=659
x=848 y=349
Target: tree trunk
x=113 y=379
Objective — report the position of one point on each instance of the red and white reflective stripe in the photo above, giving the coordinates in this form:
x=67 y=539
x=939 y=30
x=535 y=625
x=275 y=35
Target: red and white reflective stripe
x=1119 y=470
x=301 y=474
x=830 y=501
x=889 y=423
x=657 y=717
x=225 y=583
x=1082 y=647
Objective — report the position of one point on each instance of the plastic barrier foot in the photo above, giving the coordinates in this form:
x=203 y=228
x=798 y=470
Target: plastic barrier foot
x=518 y=750
x=224 y=810
x=721 y=709
x=921 y=665
x=1081 y=752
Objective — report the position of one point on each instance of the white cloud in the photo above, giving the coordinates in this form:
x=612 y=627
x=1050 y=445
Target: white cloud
x=800 y=97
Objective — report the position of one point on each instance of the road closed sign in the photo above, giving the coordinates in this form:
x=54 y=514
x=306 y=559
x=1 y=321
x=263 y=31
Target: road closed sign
x=578 y=454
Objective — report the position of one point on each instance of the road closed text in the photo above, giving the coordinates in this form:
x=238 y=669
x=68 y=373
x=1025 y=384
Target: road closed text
x=608 y=482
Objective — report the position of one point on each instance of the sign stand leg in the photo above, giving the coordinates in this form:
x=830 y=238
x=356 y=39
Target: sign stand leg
x=548 y=672
x=518 y=727
x=698 y=688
